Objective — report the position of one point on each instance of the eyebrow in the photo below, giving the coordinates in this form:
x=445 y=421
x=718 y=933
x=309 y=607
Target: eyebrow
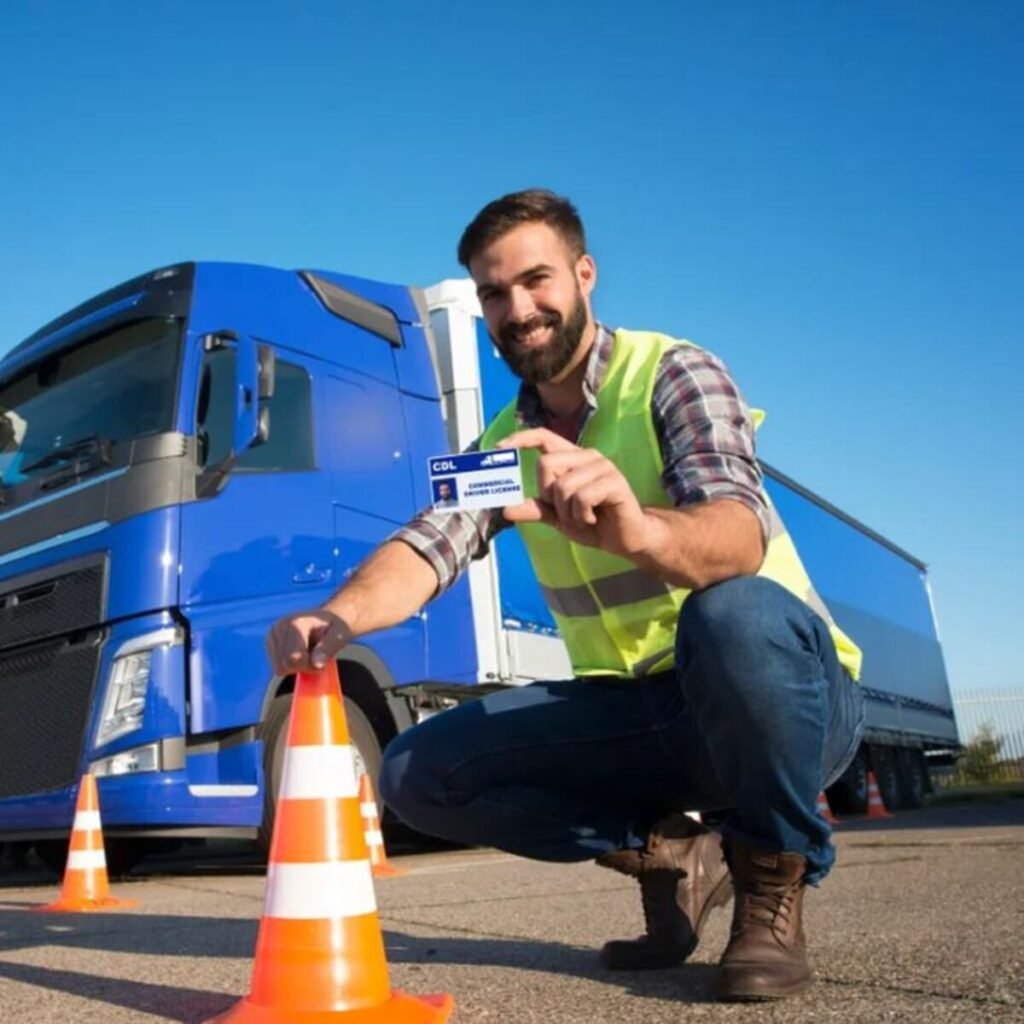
x=529 y=272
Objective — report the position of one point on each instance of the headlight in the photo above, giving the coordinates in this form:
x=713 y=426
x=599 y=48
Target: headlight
x=124 y=703
x=141 y=759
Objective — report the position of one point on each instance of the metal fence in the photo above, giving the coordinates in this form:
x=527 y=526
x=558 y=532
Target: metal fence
x=991 y=724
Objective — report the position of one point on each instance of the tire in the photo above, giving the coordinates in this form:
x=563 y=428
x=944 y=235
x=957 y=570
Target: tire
x=913 y=777
x=883 y=761
x=274 y=733
x=849 y=793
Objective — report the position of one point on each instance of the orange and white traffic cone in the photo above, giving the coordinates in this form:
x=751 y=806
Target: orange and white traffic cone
x=876 y=805
x=86 y=887
x=825 y=811
x=382 y=868
x=320 y=952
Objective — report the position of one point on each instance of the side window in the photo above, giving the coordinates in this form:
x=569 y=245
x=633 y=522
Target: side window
x=290 y=444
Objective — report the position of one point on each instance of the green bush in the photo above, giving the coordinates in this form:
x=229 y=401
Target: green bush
x=979 y=762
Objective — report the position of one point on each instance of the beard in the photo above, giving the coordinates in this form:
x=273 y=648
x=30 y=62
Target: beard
x=543 y=363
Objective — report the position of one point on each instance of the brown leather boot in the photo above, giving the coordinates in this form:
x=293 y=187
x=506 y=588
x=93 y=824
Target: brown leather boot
x=766 y=957
x=682 y=877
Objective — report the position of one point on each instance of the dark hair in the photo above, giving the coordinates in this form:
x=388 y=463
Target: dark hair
x=532 y=205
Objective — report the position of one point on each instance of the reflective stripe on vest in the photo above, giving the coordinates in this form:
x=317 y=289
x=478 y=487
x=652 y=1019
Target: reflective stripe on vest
x=615 y=618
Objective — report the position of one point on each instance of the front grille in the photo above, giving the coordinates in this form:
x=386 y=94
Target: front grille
x=46 y=692
x=37 y=607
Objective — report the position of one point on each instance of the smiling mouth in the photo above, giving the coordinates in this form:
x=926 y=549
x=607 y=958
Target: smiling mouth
x=532 y=338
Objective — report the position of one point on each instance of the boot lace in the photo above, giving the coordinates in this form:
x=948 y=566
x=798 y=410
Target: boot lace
x=768 y=904
x=657 y=898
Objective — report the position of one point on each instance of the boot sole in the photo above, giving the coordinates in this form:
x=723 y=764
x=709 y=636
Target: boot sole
x=725 y=994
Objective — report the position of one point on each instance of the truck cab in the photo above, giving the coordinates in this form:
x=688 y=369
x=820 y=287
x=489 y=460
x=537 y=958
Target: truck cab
x=186 y=458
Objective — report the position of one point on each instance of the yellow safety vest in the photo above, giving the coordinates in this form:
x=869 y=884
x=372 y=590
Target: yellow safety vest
x=614 y=617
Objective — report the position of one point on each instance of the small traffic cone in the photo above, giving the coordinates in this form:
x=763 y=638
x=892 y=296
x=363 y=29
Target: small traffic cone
x=876 y=805
x=372 y=833
x=86 y=887
x=825 y=811
x=320 y=952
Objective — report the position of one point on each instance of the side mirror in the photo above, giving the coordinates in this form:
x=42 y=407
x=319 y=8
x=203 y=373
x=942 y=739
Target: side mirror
x=262 y=425
x=267 y=359
x=246 y=392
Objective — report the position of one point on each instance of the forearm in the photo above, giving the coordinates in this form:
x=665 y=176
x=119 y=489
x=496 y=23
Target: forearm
x=697 y=546
x=392 y=584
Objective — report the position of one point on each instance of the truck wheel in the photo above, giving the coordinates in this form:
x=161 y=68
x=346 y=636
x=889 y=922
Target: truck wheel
x=883 y=761
x=913 y=777
x=849 y=793
x=274 y=733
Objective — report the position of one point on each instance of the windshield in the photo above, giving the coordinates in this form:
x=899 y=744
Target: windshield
x=111 y=388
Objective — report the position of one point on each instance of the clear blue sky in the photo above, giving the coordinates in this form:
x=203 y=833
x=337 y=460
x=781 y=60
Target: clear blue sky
x=829 y=195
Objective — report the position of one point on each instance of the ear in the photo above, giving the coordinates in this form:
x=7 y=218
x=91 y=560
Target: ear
x=586 y=274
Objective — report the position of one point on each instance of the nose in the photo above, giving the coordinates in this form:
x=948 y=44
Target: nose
x=521 y=306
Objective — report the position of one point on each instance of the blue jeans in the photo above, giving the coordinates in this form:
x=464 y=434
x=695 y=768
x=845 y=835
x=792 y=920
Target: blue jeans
x=757 y=717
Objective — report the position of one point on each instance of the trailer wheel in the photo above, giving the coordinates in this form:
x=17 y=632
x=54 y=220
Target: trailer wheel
x=849 y=793
x=883 y=761
x=913 y=777
x=273 y=731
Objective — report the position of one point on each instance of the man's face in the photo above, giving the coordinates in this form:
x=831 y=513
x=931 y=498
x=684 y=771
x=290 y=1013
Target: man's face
x=535 y=300
x=444 y=491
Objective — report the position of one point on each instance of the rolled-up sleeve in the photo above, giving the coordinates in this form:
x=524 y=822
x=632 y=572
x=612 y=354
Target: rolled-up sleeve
x=706 y=433
x=449 y=541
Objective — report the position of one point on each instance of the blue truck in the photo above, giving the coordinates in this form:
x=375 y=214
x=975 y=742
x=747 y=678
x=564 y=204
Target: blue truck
x=192 y=454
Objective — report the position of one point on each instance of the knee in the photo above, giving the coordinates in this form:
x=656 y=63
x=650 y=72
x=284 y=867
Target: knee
x=410 y=781
x=734 y=612
x=393 y=769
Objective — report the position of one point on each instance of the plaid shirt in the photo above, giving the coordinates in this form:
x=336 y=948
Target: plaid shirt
x=704 y=430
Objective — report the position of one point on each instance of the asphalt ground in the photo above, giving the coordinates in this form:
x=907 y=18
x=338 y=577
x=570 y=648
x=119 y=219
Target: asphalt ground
x=921 y=920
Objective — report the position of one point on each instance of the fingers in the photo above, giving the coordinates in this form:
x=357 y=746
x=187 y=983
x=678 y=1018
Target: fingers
x=330 y=641
x=307 y=641
x=576 y=494
x=551 y=467
x=531 y=511
x=538 y=437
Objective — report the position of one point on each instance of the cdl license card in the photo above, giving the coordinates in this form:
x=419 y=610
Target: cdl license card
x=473 y=480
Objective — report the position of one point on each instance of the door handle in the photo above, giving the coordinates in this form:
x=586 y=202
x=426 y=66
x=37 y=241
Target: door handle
x=311 y=573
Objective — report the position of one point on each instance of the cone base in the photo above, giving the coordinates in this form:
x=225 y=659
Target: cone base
x=85 y=906
x=399 y=1009
x=387 y=871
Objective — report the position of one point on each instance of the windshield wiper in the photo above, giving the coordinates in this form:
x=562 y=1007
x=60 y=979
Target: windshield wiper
x=91 y=445
x=72 y=461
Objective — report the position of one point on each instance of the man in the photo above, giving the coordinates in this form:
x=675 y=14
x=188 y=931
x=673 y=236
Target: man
x=445 y=497
x=708 y=671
